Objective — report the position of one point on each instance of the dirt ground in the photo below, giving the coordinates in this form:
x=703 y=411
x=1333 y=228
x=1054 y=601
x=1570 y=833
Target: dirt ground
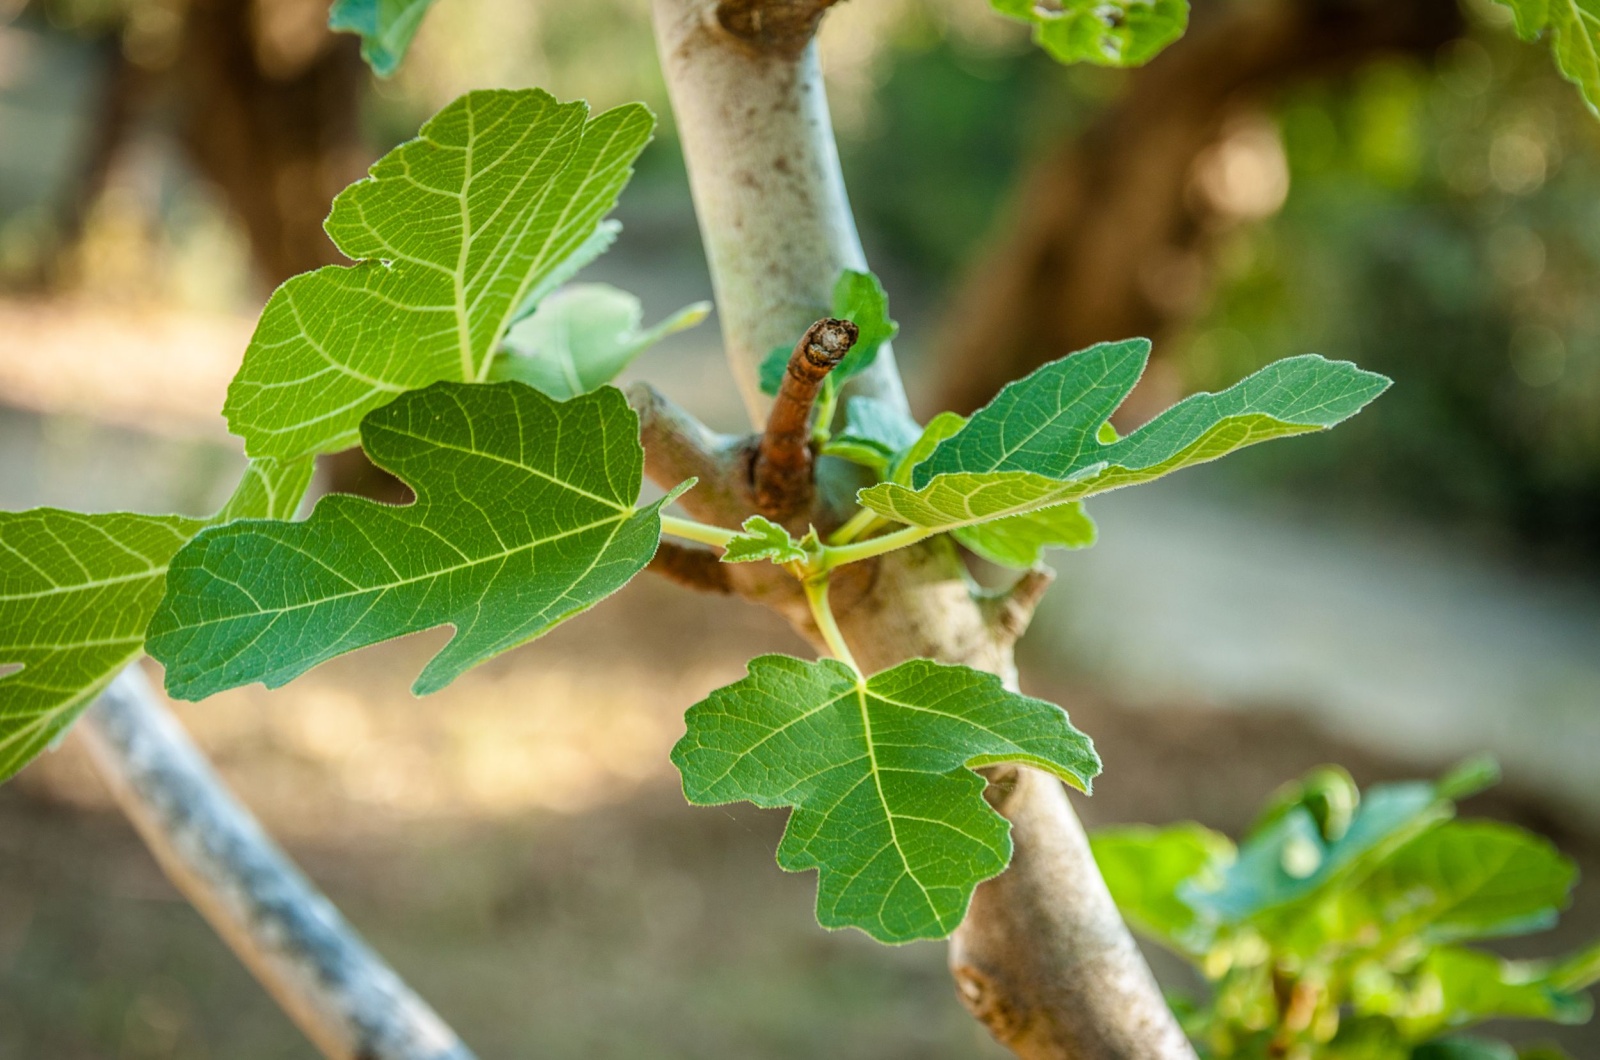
x=517 y=847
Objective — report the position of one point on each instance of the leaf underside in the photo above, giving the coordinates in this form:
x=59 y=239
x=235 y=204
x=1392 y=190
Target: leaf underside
x=1039 y=443
x=879 y=773
x=451 y=233
x=76 y=592
x=525 y=515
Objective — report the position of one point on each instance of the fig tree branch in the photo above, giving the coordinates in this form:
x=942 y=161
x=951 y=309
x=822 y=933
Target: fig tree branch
x=336 y=989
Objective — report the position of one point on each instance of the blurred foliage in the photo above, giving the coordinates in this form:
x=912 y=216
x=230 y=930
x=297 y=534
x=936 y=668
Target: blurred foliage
x=1334 y=931
x=1444 y=229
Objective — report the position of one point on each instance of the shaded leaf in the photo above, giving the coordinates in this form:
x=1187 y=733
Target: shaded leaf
x=582 y=337
x=76 y=592
x=525 y=515
x=1467 y=879
x=1456 y=987
x=1464 y=1049
x=1290 y=859
x=1019 y=541
x=879 y=772
x=385 y=26
x=1146 y=867
x=859 y=298
x=875 y=432
x=1103 y=32
x=451 y=233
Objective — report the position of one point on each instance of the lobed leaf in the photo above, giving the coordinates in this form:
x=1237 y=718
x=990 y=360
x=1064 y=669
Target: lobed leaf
x=582 y=337
x=76 y=592
x=859 y=298
x=451 y=233
x=1040 y=442
x=1103 y=32
x=385 y=27
x=879 y=772
x=525 y=515
x=764 y=539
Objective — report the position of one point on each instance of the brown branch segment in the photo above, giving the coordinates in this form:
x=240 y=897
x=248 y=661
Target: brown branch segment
x=782 y=476
x=783 y=27
x=692 y=568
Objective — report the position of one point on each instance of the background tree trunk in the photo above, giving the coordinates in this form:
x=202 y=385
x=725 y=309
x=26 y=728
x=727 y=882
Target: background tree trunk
x=1111 y=234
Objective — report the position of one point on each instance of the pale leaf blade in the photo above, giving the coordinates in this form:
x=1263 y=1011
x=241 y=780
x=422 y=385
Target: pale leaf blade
x=450 y=233
x=76 y=592
x=525 y=515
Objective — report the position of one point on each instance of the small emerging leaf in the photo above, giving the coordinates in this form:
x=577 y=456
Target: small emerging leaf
x=582 y=337
x=879 y=772
x=525 y=515
x=859 y=298
x=451 y=234
x=1103 y=32
x=76 y=592
x=875 y=433
x=764 y=540
x=385 y=26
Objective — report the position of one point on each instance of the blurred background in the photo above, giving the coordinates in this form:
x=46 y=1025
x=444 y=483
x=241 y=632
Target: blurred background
x=1396 y=182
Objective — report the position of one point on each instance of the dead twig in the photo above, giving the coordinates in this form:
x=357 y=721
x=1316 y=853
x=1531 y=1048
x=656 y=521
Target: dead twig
x=782 y=474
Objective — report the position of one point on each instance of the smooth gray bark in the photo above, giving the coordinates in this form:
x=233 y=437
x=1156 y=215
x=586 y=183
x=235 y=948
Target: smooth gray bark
x=336 y=989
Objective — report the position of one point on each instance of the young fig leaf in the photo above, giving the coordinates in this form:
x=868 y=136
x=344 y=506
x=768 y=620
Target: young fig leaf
x=859 y=298
x=1039 y=442
x=76 y=592
x=1019 y=541
x=879 y=772
x=526 y=514
x=764 y=539
x=451 y=233
x=582 y=337
x=875 y=433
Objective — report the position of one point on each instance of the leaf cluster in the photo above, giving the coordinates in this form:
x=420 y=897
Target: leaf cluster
x=1339 y=927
